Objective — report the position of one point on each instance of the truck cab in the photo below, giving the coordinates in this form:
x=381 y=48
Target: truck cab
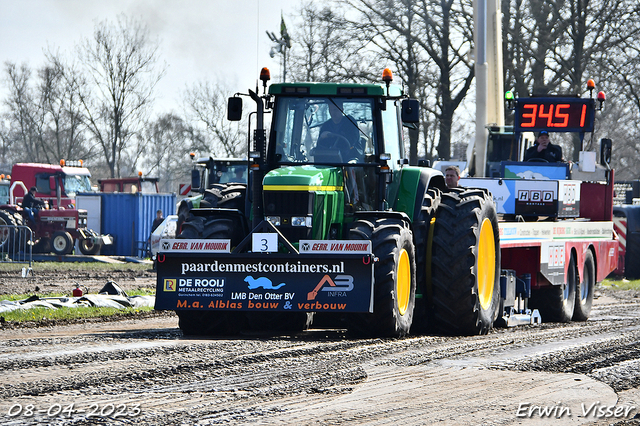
x=129 y=185
x=53 y=182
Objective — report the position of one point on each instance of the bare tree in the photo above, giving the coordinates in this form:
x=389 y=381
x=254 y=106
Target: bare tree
x=553 y=47
x=205 y=105
x=326 y=49
x=426 y=43
x=23 y=111
x=121 y=65
x=168 y=141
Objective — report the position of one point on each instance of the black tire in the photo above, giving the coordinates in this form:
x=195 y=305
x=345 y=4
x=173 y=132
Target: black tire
x=421 y=233
x=394 y=278
x=88 y=247
x=183 y=214
x=465 y=264
x=8 y=233
x=557 y=303
x=192 y=227
x=226 y=196
x=61 y=243
x=585 y=288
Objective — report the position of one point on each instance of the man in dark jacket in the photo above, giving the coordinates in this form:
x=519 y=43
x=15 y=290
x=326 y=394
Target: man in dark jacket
x=31 y=204
x=543 y=149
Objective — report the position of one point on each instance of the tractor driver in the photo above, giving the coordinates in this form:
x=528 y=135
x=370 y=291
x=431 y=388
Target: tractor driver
x=339 y=132
x=544 y=150
x=31 y=204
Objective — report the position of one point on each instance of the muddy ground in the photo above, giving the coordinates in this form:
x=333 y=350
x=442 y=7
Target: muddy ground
x=64 y=281
x=143 y=371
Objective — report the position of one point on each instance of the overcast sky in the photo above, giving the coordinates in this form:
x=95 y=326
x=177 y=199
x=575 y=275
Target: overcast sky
x=217 y=40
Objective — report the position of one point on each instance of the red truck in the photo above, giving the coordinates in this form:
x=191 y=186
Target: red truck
x=130 y=185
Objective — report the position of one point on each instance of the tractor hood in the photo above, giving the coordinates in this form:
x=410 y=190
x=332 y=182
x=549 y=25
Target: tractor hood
x=304 y=178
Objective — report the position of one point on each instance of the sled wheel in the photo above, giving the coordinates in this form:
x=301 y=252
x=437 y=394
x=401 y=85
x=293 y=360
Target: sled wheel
x=585 y=288
x=465 y=264
x=557 y=303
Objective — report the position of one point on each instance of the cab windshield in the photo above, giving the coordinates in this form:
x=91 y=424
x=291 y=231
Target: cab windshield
x=76 y=183
x=324 y=130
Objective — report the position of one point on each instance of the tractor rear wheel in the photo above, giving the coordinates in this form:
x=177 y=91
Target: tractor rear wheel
x=61 y=243
x=585 y=288
x=8 y=232
x=557 y=303
x=394 y=278
x=465 y=265
x=422 y=231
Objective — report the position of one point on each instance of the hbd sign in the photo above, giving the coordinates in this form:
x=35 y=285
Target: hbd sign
x=534 y=196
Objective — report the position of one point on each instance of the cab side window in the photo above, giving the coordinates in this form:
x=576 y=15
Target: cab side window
x=391 y=131
x=42 y=183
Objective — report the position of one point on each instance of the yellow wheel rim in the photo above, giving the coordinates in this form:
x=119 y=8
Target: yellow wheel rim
x=486 y=264
x=403 y=282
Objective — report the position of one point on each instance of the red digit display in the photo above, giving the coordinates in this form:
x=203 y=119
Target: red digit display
x=555 y=114
x=548 y=114
x=529 y=118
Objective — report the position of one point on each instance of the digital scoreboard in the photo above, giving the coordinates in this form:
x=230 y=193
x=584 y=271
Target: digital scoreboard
x=555 y=114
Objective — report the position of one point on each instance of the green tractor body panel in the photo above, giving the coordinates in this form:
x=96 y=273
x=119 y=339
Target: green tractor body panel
x=297 y=197
x=407 y=187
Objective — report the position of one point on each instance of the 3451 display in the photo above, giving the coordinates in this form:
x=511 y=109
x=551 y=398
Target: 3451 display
x=555 y=114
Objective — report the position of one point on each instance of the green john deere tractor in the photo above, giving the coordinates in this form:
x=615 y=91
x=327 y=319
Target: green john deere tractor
x=335 y=228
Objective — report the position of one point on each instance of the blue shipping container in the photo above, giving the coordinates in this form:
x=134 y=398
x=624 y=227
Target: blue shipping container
x=128 y=218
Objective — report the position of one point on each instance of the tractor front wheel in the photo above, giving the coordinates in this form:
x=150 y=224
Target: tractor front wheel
x=394 y=278
x=89 y=247
x=61 y=243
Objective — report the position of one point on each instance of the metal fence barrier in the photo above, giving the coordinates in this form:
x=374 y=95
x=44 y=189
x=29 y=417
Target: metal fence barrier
x=16 y=245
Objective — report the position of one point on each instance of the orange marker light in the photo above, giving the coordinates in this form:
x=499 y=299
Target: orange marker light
x=139 y=174
x=601 y=96
x=591 y=84
x=62 y=163
x=387 y=75
x=265 y=75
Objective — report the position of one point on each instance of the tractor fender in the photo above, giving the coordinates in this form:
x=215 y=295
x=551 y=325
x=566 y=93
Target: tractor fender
x=414 y=184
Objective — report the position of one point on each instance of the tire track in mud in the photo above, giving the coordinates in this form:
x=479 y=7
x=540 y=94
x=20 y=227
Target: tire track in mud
x=273 y=379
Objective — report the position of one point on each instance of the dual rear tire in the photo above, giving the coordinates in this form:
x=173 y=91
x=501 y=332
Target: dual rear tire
x=463 y=288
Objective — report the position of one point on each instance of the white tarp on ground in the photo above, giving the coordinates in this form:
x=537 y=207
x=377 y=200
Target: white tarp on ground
x=111 y=296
